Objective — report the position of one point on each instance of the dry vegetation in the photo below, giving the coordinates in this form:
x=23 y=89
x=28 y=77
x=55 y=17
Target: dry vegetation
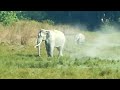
x=98 y=57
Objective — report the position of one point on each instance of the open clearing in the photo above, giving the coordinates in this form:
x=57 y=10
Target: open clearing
x=98 y=57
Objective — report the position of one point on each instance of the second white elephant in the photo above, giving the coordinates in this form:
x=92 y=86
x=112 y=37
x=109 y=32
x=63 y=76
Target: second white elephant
x=52 y=38
x=80 y=38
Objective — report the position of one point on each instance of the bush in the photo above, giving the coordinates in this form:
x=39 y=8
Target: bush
x=8 y=17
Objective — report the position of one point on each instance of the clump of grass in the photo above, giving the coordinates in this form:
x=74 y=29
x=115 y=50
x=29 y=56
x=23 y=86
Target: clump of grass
x=105 y=72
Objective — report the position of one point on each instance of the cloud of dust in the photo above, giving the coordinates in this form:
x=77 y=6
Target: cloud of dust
x=105 y=38
x=102 y=42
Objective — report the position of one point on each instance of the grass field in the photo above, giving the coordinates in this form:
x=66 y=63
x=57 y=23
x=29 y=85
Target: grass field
x=97 y=58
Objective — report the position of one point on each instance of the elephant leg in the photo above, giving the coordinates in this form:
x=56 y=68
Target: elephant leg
x=49 y=49
x=60 y=50
x=39 y=50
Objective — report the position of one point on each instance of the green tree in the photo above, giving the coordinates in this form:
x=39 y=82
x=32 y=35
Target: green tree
x=8 y=17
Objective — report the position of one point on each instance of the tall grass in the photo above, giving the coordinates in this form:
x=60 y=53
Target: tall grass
x=98 y=57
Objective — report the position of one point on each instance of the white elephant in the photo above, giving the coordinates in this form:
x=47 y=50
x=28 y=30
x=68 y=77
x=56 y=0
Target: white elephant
x=52 y=38
x=80 y=38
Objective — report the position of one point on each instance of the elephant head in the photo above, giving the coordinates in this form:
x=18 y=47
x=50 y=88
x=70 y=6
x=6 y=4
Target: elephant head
x=80 y=38
x=41 y=37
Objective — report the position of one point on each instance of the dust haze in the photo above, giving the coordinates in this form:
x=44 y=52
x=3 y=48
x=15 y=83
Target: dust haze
x=104 y=42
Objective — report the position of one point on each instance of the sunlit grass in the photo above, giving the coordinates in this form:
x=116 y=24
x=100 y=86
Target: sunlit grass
x=97 y=58
x=14 y=64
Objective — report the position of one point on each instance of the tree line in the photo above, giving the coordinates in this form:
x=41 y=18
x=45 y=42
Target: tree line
x=90 y=18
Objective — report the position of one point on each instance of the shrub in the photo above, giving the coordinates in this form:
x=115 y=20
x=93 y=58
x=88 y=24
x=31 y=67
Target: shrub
x=8 y=17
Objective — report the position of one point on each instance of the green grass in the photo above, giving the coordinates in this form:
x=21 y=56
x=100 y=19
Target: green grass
x=97 y=58
x=25 y=64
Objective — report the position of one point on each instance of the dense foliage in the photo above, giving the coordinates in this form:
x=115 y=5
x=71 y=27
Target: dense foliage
x=8 y=17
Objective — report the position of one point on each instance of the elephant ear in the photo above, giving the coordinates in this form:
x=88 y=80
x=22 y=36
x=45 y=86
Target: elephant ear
x=42 y=33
